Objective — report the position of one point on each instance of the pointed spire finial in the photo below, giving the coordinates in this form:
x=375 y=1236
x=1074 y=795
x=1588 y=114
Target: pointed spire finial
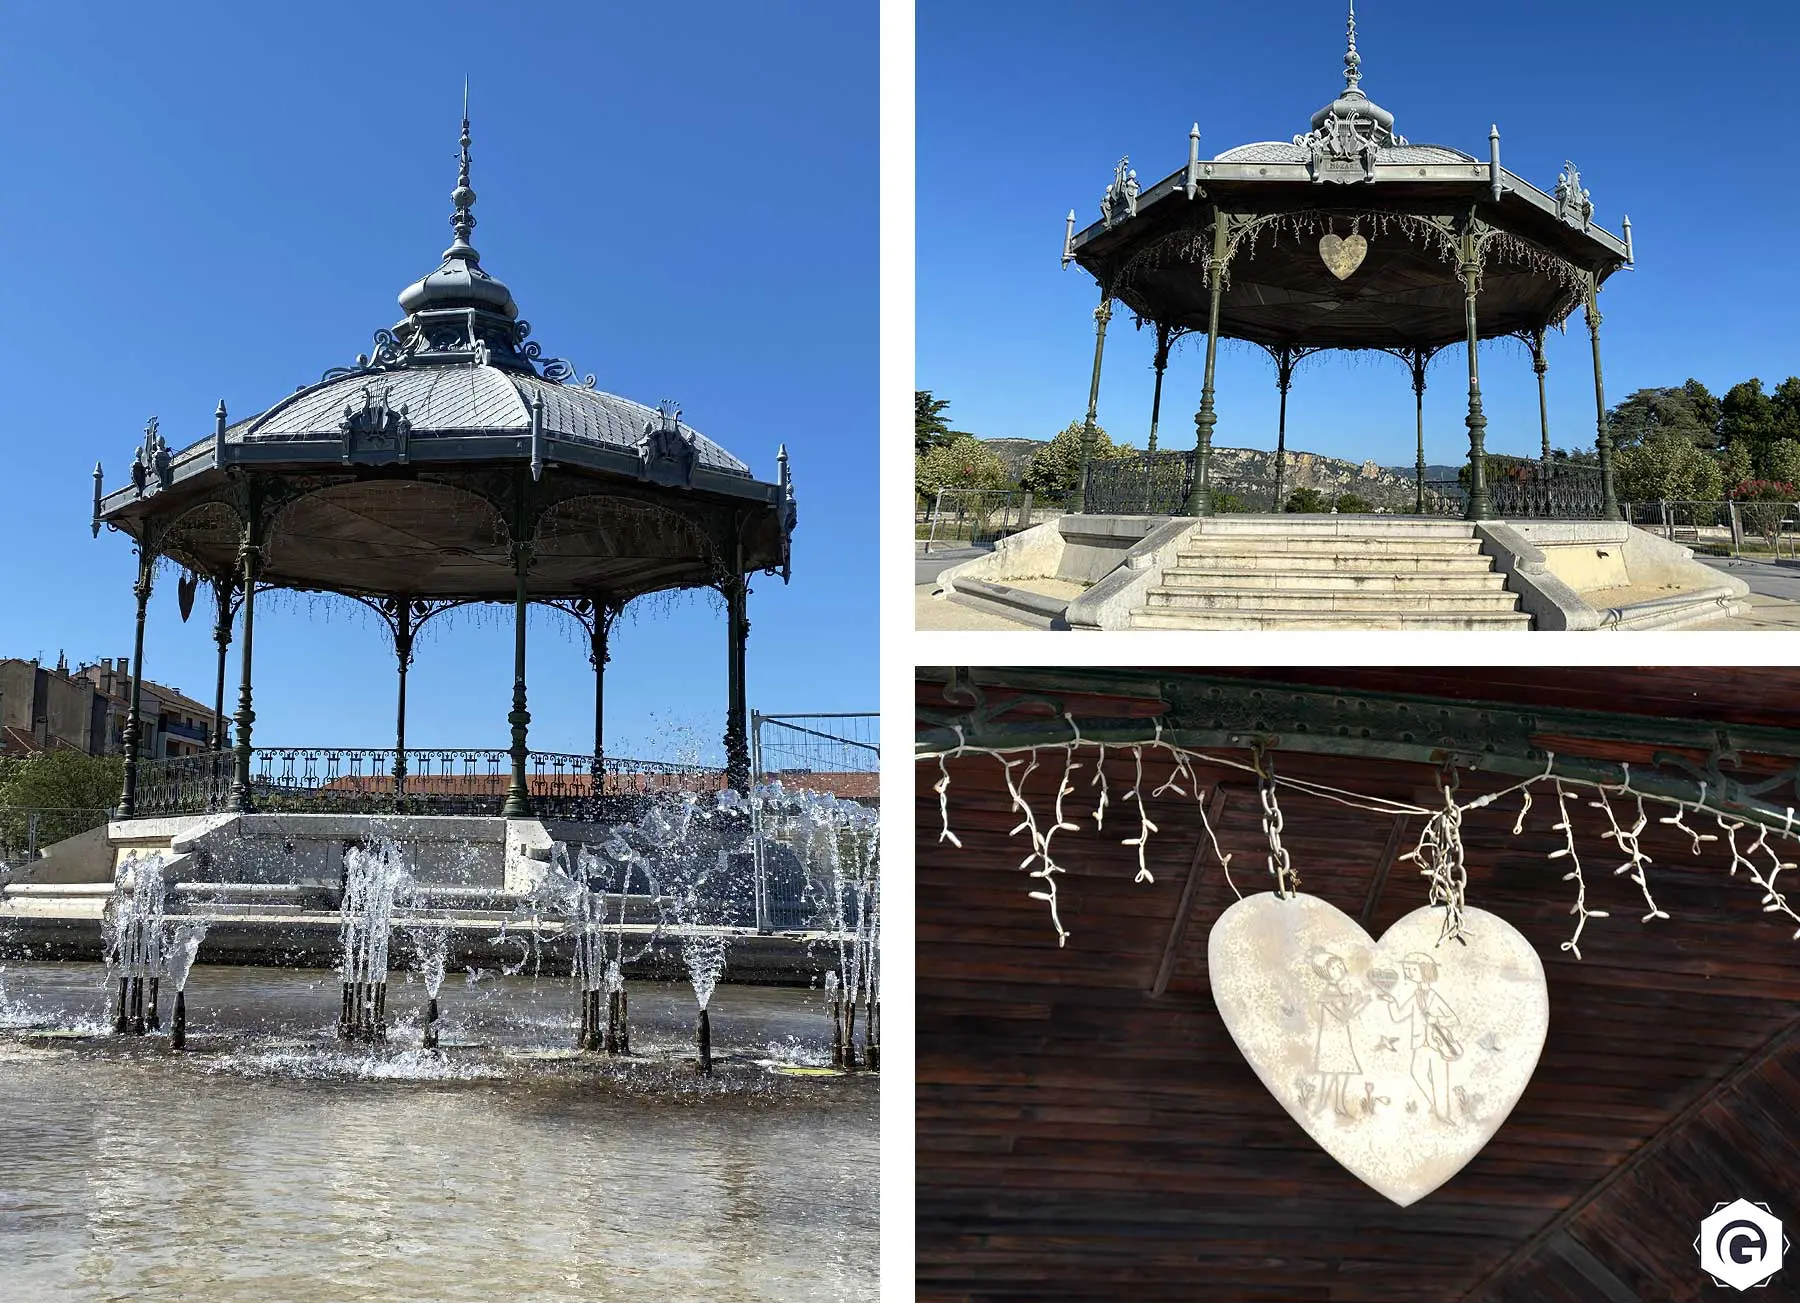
x=1352 y=60
x=462 y=221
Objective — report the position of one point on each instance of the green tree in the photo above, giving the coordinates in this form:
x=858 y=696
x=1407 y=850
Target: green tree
x=1348 y=504
x=1784 y=461
x=1055 y=469
x=930 y=429
x=1687 y=411
x=965 y=462
x=1786 y=400
x=1306 y=500
x=1747 y=420
x=1668 y=467
x=73 y=790
x=1734 y=463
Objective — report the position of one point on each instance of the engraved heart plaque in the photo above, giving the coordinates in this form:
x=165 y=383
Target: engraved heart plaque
x=1342 y=257
x=1399 y=1057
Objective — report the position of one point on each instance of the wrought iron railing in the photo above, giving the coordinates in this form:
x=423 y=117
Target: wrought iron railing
x=443 y=780
x=1535 y=492
x=1160 y=483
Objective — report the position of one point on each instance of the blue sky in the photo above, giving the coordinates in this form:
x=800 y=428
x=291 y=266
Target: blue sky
x=1677 y=115
x=222 y=200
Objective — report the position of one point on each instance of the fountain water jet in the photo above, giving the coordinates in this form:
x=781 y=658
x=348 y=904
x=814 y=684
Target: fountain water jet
x=133 y=934
x=375 y=879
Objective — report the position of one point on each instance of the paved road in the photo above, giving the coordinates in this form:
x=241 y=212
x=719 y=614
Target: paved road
x=1774 y=592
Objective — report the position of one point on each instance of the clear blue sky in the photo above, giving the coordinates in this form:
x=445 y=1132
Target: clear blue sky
x=1680 y=115
x=222 y=200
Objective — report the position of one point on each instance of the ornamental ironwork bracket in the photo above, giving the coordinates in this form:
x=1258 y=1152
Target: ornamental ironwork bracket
x=375 y=432
x=666 y=453
x=1202 y=712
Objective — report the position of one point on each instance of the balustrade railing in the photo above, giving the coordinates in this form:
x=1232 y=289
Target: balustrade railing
x=380 y=780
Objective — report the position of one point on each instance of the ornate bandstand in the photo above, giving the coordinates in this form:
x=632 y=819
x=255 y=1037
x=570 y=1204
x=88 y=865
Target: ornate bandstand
x=452 y=464
x=1349 y=237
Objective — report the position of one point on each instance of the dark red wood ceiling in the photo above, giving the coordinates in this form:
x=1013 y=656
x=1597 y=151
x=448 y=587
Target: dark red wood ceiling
x=1081 y=1137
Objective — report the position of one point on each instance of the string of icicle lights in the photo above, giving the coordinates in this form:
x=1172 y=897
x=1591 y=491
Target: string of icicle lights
x=1754 y=848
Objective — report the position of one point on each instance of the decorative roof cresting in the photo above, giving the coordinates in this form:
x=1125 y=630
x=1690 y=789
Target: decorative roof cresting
x=1348 y=132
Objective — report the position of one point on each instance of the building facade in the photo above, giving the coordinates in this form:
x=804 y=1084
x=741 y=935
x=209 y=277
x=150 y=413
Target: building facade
x=46 y=708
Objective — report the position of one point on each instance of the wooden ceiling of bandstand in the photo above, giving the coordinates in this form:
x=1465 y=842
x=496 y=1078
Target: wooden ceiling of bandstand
x=1082 y=1137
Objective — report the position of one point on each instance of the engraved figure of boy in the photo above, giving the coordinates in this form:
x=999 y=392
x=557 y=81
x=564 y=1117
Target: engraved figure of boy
x=1334 y=1057
x=1433 y=1025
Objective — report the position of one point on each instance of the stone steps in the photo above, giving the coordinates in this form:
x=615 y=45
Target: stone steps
x=1330 y=573
x=1330 y=546
x=1217 y=576
x=1336 y=561
x=1235 y=618
x=1292 y=599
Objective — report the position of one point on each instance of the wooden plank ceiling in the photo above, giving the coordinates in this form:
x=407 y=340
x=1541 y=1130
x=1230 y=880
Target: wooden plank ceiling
x=1082 y=1137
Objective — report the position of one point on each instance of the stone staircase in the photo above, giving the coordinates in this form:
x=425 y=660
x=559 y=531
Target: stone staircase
x=1330 y=572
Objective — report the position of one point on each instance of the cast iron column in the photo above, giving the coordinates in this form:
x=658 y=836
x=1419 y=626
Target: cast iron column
x=518 y=796
x=222 y=588
x=1102 y=315
x=737 y=737
x=251 y=556
x=1540 y=365
x=1419 y=359
x=1200 y=502
x=1284 y=376
x=1609 y=502
x=146 y=580
x=599 y=653
x=1480 y=505
x=1162 y=363
x=403 y=653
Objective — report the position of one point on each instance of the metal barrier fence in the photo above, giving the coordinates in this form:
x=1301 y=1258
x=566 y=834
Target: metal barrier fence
x=25 y=830
x=1734 y=527
x=835 y=753
x=976 y=517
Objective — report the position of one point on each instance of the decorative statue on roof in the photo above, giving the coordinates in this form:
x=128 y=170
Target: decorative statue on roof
x=1573 y=204
x=1120 y=199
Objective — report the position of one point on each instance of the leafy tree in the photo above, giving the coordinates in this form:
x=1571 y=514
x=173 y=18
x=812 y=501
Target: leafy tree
x=1348 y=504
x=963 y=463
x=1309 y=501
x=930 y=429
x=1747 y=419
x=1689 y=411
x=1786 y=399
x=1055 y=469
x=1784 y=461
x=73 y=789
x=1224 y=504
x=1669 y=466
x=1499 y=465
x=1734 y=462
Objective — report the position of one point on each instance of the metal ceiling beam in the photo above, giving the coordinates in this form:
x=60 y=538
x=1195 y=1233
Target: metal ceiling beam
x=1204 y=712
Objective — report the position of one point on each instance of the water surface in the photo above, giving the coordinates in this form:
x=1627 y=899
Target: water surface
x=273 y=1163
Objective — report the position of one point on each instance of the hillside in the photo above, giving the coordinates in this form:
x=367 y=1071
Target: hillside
x=1382 y=487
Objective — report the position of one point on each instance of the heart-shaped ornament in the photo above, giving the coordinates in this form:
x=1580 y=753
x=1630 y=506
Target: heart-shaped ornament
x=1342 y=257
x=1400 y=1057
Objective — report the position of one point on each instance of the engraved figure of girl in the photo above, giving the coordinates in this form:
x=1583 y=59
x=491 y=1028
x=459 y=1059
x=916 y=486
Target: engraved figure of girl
x=1334 y=1057
x=1433 y=1025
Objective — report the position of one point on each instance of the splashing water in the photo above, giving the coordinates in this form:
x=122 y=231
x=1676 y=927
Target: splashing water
x=133 y=934
x=182 y=950
x=376 y=877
